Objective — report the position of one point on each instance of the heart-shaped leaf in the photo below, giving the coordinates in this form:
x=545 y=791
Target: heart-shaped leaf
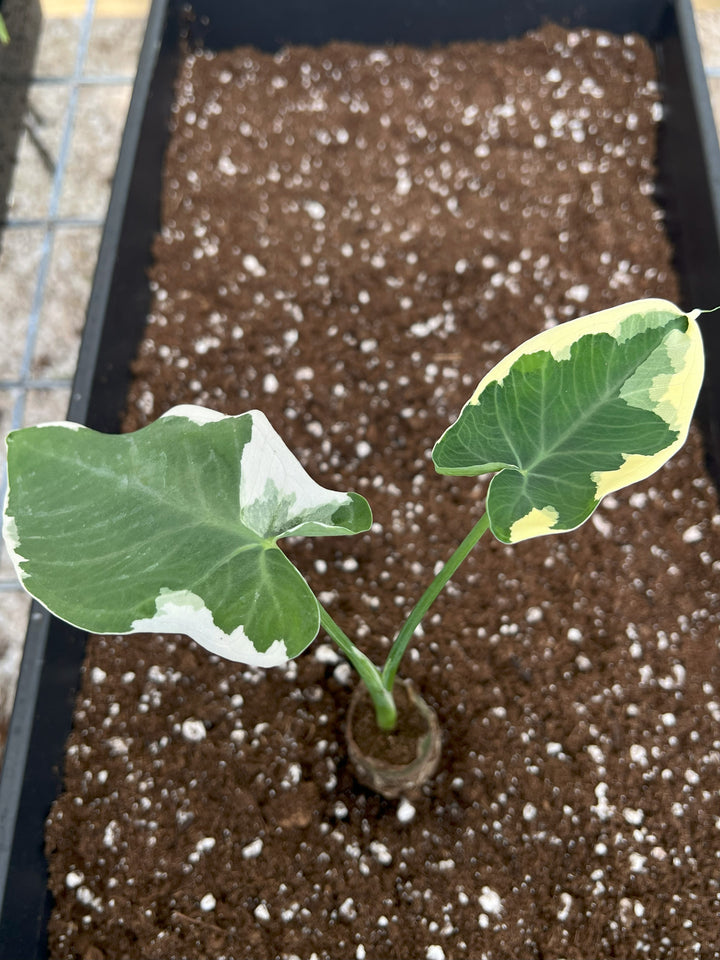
x=577 y=412
x=172 y=528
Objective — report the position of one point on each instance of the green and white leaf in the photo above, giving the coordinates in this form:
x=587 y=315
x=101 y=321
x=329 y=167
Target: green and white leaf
x=577 y=412
x=173 y=528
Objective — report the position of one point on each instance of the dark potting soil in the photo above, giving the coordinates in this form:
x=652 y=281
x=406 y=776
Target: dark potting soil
x=351 y=238
x=401 y=746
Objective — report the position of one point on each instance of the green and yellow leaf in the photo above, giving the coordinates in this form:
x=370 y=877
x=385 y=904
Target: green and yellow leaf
x=173 y=528
x=577 y=412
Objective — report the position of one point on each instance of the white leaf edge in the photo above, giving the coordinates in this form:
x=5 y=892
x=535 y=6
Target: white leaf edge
x=182 y=611
x=267 y=455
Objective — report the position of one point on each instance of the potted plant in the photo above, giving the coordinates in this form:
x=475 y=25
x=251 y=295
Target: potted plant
x=175 y=528
x=480 y=777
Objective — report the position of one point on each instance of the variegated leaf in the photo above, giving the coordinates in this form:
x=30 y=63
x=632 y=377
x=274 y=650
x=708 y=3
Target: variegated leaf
x=173 y=528
x=577 y=412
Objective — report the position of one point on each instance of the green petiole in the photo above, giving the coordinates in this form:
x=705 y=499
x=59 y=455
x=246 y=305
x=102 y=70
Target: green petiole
x=380 y=683
x=382 y=698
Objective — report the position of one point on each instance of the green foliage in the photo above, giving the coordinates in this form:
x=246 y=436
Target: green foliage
x=175 y=528
x=578 y=411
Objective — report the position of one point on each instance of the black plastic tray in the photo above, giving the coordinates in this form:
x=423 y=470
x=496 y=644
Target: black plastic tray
x=688 y=187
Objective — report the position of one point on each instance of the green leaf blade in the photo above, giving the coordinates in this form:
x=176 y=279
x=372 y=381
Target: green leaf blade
x=173 y=527
x=577 y=412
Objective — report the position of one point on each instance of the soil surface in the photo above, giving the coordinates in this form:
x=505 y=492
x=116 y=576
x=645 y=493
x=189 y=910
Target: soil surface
x=351 y=238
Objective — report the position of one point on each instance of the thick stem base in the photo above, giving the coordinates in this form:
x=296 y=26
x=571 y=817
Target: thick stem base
x=398 y=763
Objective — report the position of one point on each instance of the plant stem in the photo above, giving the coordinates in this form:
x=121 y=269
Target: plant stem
x=427 y=599
x=380 y=684
x=383 y=701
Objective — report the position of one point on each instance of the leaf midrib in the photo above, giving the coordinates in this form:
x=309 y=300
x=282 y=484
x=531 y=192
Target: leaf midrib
x=586 y=414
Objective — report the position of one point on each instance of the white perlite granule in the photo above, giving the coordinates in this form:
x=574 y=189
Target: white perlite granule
x=193 y=730
x=252 y=850
x=405 y=811
x=490 y=901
